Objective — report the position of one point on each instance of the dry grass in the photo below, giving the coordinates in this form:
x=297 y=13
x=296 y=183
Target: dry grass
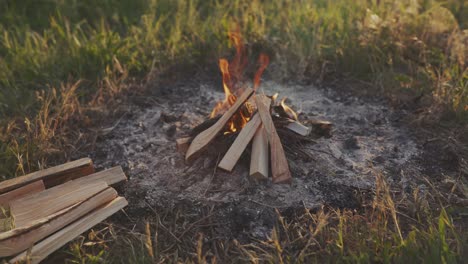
x=405 y=48
x=65 y=65
x=389 y=228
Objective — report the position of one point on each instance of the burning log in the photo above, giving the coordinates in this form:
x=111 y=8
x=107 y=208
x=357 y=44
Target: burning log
x=235 y=117
x=204 y=126
x=299 y=128
x=259 y=160
x=200 y=142
x=241 y=142
x=279 y=164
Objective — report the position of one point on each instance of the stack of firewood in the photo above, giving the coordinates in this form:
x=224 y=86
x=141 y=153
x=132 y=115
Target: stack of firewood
x=42 y=211
x=261 y=129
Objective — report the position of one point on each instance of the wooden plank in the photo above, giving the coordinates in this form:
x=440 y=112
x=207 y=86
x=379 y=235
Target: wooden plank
x=201 y=141
x=279 y=164
x=183 y=144
x=47 y=246
x=240 y=143
x=33 y=207
x=110 y=176
x=23 y=191
x=20 y=239
x=299 y=128
x=51 y=176
x=259 y=160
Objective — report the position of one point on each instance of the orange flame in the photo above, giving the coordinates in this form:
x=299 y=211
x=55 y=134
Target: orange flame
x=263 y=61
x=229 y=97
x=288 y=110
x=239 y=62
x=232 y=80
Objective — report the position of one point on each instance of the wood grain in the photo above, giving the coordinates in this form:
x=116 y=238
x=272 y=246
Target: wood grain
x=259 y=160
x=51 y=176
x=31 y=208
x=20 y=239
x=47 y=246
x=23 y=191
x=110 y=176
x=279 y=164
x=240 y=143
x=201 y=141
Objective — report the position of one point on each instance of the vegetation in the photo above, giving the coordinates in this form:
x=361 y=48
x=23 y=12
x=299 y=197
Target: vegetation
x=383 y=231
x=62 y=63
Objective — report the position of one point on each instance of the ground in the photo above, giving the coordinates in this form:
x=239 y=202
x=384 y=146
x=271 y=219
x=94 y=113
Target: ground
x=368 y=137
x=119 y=81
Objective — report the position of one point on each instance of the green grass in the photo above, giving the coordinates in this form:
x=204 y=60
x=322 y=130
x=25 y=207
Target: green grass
x=62 y=63
x=402 y=48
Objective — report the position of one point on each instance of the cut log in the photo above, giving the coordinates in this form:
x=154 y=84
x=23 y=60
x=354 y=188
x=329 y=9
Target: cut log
x=279 y=164
x=47 y=246
x=110 y=176
x=51 y=176
x=201 y=141
x=183 y=144
x=299 y=128
x=321 y=127
x=23 y=191
x=20 y=239
x=259 y=160
x=26 y=210
x=240 y=143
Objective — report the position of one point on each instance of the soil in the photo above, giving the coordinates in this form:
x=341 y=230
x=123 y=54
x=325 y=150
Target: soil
x=368 y=137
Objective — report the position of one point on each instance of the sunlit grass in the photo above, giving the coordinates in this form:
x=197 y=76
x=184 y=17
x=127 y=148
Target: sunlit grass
x=408 y=46
x=62 y=63
x=384 y=230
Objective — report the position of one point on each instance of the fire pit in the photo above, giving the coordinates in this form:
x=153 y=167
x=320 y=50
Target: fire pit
x=324 y=169
x=248 y=115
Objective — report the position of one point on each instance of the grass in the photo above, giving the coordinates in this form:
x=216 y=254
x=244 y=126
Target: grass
x=66 y=64
x=382 y=231
x=402 y=47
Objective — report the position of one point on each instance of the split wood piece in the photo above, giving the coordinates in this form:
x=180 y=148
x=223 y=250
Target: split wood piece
x=31 y=208
x=321 y=127
x=183 y=144
x=20 y=239
x=47 y=246
x=110 y=176
x=23 y=191
x=201 y=141
x=299 y=128
x=240 y=143
x=259 y=159
x=279 y=164
x=51 y=176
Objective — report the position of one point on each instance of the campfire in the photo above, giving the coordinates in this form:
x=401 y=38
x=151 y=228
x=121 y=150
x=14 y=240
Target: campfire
x=250 y=116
